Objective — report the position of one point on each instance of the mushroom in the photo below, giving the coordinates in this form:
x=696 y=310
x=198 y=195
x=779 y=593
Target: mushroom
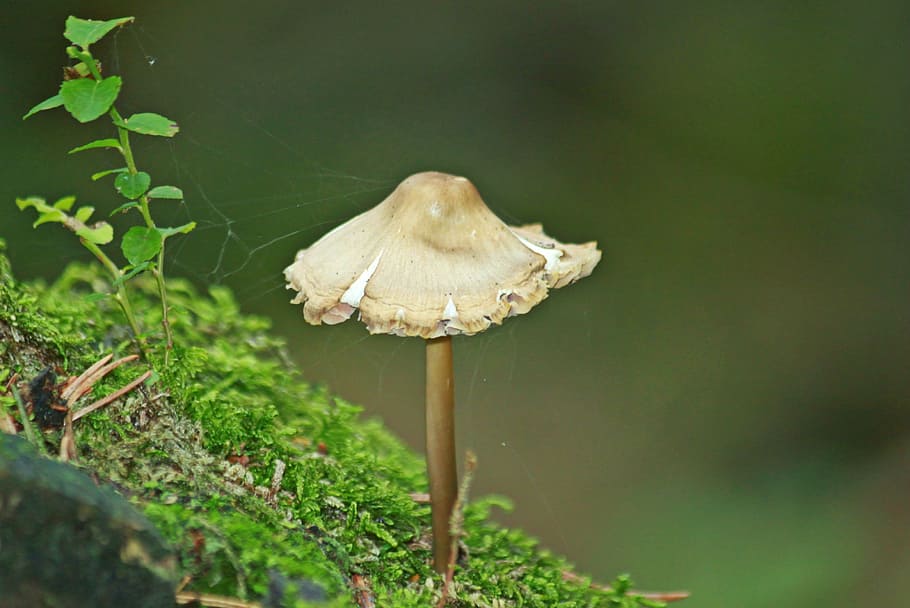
x=431 y=260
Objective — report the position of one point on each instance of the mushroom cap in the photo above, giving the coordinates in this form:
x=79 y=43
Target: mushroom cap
x=432 y=260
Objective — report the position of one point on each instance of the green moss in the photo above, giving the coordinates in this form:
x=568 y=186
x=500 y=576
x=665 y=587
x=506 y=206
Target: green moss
x=197 y=449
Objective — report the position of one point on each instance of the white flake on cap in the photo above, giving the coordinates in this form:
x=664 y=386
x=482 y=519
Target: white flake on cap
x=552 y=255
x=354 y=293
x=436 y=238
x=450 y=312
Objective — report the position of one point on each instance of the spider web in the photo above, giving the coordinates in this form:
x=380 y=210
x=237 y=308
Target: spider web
x=252 y=218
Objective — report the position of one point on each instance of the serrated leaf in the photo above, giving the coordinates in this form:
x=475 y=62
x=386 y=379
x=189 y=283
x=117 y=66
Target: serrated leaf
x=98 y=143
x=83 y=213
x=132 y=185
x=133 y=271
x=87 y=99
x=46 y=213
x=123 y=208
x=65 y=203
x=54 y=215
x=148 y=123
x=168 y=192
x=185 y=229
x=106 y=172
x=140 y=243
x=100 y=234
x=48 y=104
x=32 y=201
x=88 y=31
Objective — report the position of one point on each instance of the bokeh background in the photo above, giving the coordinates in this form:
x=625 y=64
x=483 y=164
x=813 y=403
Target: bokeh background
x=723 y=405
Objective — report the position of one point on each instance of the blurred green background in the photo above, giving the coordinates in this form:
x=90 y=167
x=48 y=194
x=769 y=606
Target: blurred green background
x=723 y=405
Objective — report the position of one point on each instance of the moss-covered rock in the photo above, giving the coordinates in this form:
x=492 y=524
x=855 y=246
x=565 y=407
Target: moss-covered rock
x=198 y=448
x=68 y=543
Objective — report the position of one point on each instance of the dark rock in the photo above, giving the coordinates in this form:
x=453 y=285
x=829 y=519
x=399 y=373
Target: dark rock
x=44 y=398
x=67 y=543
x=305 y=590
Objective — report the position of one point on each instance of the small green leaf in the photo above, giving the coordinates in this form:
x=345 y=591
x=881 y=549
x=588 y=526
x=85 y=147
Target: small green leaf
x=48 y=104
x=98 y=143
x=124 y=208
x=46 y=213
x=83 y=213
x=131 y=272
x=148 y=123
x=140 y=243
x=53 y=215
x=99 y=234
x=132 y=185
x=169 y=192
x=65 y=203
x=87 y=31
x=32 y=201
x=105 y=173
x=185 y=229
x=87 y=99
x=83 y=57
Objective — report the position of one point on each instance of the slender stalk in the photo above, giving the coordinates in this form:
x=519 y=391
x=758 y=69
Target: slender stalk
x=122 y=296
x=23 y=415
x=37 y=440
x=158 y=269
x=441 y=445
x=92 y=66
x=124 y=135
x=162 y=291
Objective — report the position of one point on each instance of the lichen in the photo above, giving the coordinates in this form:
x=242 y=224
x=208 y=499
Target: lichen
x=197 y=447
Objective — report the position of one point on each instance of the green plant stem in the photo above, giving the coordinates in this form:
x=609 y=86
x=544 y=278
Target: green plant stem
x=122 y=296
x=158 y=270
x=92 y=65
x=27 y=424
x=162 y=290
x=124 y=135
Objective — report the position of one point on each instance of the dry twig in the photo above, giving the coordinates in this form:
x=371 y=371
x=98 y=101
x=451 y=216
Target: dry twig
x=79 y=387
x=660 y=596
x=68 y=440
x=212 y=601
x=11 y=382
x=363 y=595
x=272 y=497
x=112 y=397
x=456 y=526
x=7 y=422
x=74 y=386
x=421 y=498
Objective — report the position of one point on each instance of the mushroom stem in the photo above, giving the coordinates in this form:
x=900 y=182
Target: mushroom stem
x=441 y=445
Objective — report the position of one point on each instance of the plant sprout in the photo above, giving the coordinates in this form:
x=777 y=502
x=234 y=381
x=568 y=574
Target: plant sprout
x=87 y=95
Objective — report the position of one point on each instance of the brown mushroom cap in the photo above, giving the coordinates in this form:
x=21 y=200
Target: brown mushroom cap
x=432 y=260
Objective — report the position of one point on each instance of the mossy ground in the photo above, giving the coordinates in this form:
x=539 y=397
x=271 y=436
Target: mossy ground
x=196 y=449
